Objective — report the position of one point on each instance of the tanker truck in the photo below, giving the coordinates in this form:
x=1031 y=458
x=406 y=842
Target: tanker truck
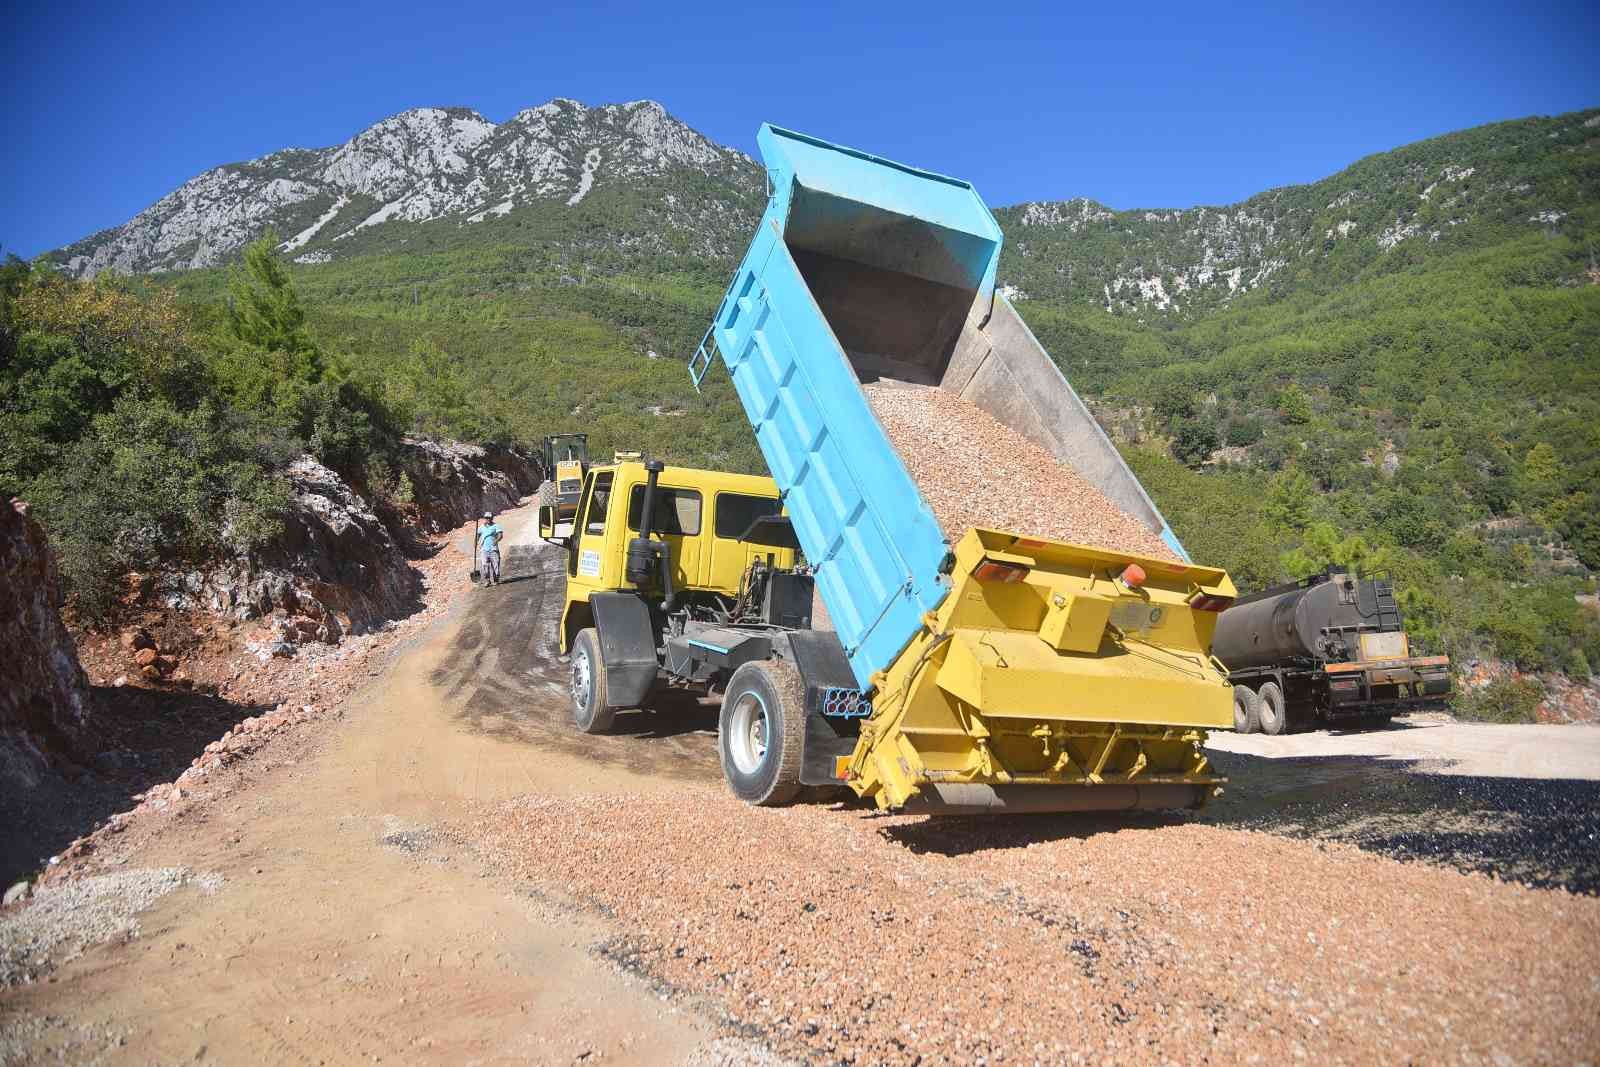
x=1331 y=649
x=969 y=670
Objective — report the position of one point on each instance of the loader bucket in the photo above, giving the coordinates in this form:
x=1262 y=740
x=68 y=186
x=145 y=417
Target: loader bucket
x=1043 y=682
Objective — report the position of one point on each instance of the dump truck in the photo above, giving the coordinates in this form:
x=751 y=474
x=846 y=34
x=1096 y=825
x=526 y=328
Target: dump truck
x=989 y=670
x=1330 y=649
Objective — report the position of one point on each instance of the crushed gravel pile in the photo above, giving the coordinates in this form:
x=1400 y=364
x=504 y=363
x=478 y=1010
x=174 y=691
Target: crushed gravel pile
x=845 y=937
x=62 y=920
x=976 y=471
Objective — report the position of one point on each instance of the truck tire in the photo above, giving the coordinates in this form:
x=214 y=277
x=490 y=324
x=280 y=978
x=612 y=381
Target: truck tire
x=761 y=732
x=589 y=711
x=1274 y=711
x=1246 y=710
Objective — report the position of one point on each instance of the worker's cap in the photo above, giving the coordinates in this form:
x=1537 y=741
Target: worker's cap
x=488 y=515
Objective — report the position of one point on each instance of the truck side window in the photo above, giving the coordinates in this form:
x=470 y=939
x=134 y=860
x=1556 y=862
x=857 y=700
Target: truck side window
x=594 y=519
x=677 y=511
x=736 y=511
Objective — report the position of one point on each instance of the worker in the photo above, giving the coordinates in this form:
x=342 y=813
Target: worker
x=489 y=535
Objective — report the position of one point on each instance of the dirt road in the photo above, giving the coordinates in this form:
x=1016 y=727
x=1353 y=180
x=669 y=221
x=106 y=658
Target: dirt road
x=451 y=874
x=347 y=926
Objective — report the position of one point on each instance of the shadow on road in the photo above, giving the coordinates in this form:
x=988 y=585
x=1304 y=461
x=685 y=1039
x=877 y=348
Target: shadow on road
x=507 y=680
x=144 y=737
x=961 y=835
x=1539 y=831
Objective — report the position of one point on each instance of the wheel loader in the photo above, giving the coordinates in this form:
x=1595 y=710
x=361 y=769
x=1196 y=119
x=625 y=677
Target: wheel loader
x=566 y=461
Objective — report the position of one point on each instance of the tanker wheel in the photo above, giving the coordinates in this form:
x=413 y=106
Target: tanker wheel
x=1246 y=710
x=761 y=732
x=589 y=711
x=1274 y=711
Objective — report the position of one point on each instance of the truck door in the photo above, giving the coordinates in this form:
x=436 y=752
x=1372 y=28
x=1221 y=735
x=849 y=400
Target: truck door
x=586 y=564
x=678 y=521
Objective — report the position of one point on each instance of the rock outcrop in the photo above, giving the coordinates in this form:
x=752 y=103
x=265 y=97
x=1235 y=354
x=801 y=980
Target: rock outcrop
x=336 y=564
x=338 y=567
x=453 y=482
x=44 y=695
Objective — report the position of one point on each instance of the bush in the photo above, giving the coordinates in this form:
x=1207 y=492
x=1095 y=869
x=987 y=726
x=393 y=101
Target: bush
x=1502 y=700
x=1243 y=432
x=150 y=484
x=1194 y=442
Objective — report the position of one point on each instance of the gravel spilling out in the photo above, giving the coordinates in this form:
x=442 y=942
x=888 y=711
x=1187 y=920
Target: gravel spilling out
x=975 y=471
x=845 y=937
x=63 y=919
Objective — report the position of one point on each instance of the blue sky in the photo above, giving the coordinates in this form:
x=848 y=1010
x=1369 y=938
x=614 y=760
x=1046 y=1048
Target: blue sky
x=111 y=106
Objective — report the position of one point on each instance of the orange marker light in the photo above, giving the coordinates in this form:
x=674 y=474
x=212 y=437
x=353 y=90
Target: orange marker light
x=1132 y=576
x=993 y=570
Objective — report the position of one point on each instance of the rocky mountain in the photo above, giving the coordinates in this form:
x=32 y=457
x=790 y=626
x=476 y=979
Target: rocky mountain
x=447 y=166
x=658 y=186
x=1452 y=193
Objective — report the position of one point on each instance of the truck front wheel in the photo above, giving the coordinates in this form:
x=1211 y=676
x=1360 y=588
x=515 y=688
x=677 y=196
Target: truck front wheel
x=589 y=711
x=1274 y=712
x=1246 y=710
x=761 y=732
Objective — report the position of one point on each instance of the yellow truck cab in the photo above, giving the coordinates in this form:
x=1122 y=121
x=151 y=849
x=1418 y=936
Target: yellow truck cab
x=700 y=515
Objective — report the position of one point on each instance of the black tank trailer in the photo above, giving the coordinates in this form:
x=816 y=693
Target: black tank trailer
x=1330 y=649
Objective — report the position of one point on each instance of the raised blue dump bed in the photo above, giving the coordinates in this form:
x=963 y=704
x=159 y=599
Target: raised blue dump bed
x=862 y=268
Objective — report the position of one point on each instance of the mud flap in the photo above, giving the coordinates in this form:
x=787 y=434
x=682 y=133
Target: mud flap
x=627 y=647
x=825 y=674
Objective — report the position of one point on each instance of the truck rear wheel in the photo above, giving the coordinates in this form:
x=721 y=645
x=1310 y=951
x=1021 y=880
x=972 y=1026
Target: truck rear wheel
x=589 y=711
x=1246 y=710
x=1274 y=711
x=761 y=732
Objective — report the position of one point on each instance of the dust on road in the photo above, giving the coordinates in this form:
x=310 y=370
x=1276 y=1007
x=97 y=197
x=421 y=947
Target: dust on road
x=505 y=679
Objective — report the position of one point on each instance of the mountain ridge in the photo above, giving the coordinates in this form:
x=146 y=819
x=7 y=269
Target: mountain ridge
x=420 y=165
x=451 y=165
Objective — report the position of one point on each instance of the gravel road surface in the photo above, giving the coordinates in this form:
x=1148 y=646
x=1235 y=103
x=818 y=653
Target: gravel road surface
x=456 y=875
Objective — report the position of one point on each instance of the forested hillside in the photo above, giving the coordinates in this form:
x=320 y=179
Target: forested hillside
x=1398 y=366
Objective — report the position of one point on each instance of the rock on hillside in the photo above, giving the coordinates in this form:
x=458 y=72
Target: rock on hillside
x=453 y=482
x=448 y=166
x=338 y=567
x=43 y=692
x=1459 y=191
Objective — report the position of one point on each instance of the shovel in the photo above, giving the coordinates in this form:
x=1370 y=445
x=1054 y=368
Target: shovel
x=476 y=573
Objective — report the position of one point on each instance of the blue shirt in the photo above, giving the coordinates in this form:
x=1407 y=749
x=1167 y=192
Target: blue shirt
x=489 y=537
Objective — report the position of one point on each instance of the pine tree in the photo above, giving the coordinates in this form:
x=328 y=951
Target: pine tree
x=264 y=311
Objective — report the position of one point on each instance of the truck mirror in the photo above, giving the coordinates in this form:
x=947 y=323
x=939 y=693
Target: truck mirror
x=547 y=523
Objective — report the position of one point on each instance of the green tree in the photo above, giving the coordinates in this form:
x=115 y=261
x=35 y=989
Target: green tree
x=264 y=311
x=1294 y=405
x=1194 y=442
x=1541 y=475
x=1288 y=504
